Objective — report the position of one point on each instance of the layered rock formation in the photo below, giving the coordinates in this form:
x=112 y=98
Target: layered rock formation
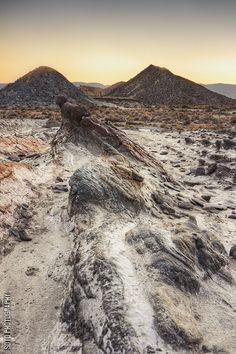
x=146 y=277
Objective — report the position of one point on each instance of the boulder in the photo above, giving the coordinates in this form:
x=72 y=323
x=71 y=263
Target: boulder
x=232 y=252
x=189 y=141
x=200 y=171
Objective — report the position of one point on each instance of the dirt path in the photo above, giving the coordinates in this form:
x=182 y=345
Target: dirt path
x=35 y=273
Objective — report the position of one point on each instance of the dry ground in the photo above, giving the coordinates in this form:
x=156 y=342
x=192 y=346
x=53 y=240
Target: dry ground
x=37 y=273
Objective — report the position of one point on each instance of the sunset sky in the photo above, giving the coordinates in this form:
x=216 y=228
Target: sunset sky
x=112 y=40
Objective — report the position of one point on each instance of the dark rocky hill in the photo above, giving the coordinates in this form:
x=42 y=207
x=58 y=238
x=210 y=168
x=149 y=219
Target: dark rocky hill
x=39 y=88
x=156 y=85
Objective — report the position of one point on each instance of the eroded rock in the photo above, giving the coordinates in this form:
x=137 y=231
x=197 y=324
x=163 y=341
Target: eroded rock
x=101 y=186
x=140 y=263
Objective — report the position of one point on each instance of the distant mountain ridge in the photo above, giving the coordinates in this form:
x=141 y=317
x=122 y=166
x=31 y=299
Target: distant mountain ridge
x=228 y=90
x=156 y=85
x=90 y=84
x=39 y=87
x=2 y=86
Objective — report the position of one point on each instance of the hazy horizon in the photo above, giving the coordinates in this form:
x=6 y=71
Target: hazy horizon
x=105 y=84
x=109 y=41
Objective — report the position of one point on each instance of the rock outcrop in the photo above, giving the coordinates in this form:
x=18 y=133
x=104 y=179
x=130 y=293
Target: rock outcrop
x=143 y=270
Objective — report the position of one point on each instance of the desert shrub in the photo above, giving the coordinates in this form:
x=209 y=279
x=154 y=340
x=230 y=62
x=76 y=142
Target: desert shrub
x=12 y=115
x=209 y=109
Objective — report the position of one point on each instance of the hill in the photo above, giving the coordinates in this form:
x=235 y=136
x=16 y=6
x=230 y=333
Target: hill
x=106 y=91
x=228 y=90
x=39 y=87
x=91 y=91
x=155 y=85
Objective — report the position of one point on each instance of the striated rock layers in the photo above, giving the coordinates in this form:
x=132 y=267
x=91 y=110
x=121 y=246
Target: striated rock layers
x=146 y=277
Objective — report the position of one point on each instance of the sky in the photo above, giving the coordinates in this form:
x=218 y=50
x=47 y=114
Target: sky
x=112 y=40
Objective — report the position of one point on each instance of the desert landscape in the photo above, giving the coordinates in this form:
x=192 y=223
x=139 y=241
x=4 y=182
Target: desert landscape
x=117 y=177
x=117 y=216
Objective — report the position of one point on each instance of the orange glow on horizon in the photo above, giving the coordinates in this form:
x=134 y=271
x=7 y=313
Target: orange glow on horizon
x=110 y=74
x=93 y=43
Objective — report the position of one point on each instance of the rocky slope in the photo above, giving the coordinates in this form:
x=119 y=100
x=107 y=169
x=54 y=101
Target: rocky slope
x=149 y=268
x=39 y=88
x=106 y=91
x=156 y=85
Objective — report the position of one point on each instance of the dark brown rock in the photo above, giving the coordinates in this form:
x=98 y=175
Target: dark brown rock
x=60 y=100
x=206 y=197
x=73 y=113
x=185 y=205
x=200 y=171
x=205 y=142
x=137 y=177
x=211 y=168
x=189 y=141
x=218 y=144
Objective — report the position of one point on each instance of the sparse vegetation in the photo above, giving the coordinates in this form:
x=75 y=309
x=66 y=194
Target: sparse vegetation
x=168 y=118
